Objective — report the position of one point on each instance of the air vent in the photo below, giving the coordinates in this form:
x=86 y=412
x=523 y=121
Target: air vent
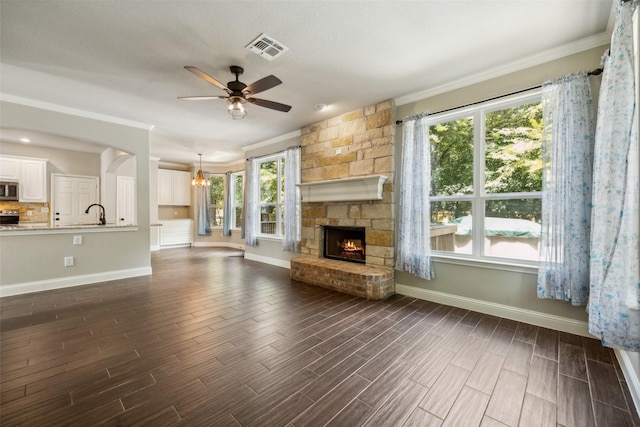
x=267 y=47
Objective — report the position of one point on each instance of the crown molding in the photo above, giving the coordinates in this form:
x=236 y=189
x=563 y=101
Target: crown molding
x=72 y=111
x=274 y=140
x=528 y=62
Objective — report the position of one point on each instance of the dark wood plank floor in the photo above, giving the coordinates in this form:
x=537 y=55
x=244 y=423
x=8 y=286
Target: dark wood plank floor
x=214 y=339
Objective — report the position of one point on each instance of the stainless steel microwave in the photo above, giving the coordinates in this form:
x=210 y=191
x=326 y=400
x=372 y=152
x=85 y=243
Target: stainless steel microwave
x=9 y=190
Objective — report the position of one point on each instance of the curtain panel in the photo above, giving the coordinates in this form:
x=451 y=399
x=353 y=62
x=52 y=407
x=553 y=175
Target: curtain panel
x=567 y=161
x=414 y=242
x=614 y=313
x=251 y=203
x=204 y=208
x=226 y=218
x=292 y=225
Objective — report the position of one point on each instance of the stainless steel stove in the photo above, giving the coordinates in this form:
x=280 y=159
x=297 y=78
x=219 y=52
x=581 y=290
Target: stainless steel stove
x=9 y=217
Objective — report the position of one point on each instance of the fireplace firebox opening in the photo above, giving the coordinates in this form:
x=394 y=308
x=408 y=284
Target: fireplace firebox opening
x=345 y=243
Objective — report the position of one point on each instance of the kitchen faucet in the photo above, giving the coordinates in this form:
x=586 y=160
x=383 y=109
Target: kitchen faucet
x=103 y=219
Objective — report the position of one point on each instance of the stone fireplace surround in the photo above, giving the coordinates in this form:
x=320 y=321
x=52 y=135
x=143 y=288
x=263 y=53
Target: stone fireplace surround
x=350 y=147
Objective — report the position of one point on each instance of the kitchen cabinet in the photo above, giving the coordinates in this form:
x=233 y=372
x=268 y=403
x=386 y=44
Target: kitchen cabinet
x=30 y=172
x=174 y=187
x=174 y=232
x=10 y=168
x=33 y=182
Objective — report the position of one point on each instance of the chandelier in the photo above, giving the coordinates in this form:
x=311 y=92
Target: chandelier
x=199 y=180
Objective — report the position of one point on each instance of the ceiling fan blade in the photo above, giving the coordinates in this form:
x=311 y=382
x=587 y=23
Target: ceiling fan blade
x=262 y=85
x=206 y=77
x=200 y=98
x=270 y=104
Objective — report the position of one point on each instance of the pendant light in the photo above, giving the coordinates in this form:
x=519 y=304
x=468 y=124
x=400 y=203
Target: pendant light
x=199 y=180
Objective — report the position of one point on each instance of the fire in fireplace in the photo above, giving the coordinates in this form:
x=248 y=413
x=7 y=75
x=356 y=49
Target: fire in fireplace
x=345 y=243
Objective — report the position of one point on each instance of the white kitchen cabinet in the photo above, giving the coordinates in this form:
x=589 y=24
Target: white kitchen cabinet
x=33 y=181
x=30 y=172
x=174 y=232
x=10 y=168
x=174 y=188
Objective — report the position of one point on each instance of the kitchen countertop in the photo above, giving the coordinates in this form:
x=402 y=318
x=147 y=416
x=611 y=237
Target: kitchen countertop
x=45 y=228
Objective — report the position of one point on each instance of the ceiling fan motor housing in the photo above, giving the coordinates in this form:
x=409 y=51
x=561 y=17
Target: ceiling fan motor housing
x=236 y=86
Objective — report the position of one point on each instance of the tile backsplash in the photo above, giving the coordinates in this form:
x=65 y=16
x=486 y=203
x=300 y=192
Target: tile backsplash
x=29 y=212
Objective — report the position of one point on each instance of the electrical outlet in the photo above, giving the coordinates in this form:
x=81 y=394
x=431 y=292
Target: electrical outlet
x=29 y=212
x=77 y=240
x=338 y=151
x=44 y=209
x=68 y=261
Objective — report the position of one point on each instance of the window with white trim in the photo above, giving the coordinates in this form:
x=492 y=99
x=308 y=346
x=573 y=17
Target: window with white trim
x=237 y=198
x=216 y=192
x=486 y=180
x=271 y=204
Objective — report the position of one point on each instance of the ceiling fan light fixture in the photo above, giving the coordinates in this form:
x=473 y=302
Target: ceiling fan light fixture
x=236 y=109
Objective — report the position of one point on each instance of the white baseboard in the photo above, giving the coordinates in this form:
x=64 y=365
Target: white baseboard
x=267 y=260
x=544 y=320
x=177 y=245
x=631 y=376
x=66 y=282
x=218 y=245
x=155 y=248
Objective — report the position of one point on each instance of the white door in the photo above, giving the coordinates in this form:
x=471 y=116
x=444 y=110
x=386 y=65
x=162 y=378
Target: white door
x=125 y=200
x=70 y=198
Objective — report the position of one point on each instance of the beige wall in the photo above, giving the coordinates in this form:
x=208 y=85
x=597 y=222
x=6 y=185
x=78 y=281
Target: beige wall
x=40 y=257
x=512 y=289
x=60 y=161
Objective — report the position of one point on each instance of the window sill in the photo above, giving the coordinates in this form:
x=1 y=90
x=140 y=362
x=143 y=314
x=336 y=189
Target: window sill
x=526 y=267
x=268 y=237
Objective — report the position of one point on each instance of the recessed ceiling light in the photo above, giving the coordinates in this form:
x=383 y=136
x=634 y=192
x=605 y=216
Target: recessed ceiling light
x=321 y=107
x=25 y=140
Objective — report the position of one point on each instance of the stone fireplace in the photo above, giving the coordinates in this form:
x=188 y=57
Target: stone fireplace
x=355 y=153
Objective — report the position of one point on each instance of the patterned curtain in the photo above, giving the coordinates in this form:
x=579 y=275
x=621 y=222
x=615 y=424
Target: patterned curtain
x=251 y=203
x=567 y=161
x=615 y=277
x=414 y=242
x=291 y=235
x=204 y=208
x=226 y=219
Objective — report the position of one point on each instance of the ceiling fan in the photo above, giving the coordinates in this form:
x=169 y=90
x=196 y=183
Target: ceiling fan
x=238 y=92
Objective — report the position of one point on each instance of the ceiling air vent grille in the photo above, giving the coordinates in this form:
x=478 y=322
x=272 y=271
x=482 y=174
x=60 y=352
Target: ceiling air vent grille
x=267 y=47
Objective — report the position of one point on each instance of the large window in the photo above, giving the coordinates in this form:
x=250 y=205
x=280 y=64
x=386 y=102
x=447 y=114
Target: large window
x=486 y=179
x=271 y=203
x=216 y=191
x=237 y=198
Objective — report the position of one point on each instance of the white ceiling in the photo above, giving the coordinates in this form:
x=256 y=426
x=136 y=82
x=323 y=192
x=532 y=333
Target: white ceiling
x=125 y=58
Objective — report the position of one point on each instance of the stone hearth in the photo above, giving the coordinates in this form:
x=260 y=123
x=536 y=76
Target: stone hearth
x=342 y=276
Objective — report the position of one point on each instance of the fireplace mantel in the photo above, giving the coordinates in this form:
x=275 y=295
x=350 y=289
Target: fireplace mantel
x=367 y=187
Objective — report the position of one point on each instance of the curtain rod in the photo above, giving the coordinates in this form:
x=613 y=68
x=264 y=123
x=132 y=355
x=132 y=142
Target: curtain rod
x=267 y=155
x=595 y=72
